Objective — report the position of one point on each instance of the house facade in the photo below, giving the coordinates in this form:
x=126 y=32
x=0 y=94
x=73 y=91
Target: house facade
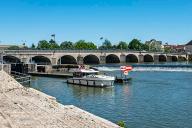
x=188 y=47
x=154 y=45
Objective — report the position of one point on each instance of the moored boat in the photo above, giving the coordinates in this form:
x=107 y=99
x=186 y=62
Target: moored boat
x=90 y=77
x=124 y=78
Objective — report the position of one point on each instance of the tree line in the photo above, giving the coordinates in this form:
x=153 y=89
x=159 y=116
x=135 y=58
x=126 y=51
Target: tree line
x=135 y=44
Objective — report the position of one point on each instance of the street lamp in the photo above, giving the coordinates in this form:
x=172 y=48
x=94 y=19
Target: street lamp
x=53 y=35
x=101 y=38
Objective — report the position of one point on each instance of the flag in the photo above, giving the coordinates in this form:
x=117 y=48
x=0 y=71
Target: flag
x=126 y=69
x=53 y=35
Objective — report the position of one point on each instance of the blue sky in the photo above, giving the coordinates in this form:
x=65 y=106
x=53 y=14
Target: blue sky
x=34 y=20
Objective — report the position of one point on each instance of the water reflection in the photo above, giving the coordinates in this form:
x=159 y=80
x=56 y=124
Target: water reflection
x=84 y=91
x=150 y=100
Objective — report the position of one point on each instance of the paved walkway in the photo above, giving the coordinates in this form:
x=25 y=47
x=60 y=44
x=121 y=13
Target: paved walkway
x=22 y=107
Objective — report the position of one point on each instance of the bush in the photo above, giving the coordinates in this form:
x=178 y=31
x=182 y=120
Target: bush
x=121 y=124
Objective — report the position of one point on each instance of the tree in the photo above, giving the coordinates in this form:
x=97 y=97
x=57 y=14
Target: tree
x=43 y=44
x=13 y=47
x=53 y=44
x=106 y=45
x=145 y=47
x=67 y=45
x=91 y=46
x=33 y=46
x=114 y=46
x=167 y=49
x=154 y=46
x=82 y=44
x=122 y=45
x=135 y=44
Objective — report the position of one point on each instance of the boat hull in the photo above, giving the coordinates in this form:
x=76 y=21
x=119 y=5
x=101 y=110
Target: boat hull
x=91 y=82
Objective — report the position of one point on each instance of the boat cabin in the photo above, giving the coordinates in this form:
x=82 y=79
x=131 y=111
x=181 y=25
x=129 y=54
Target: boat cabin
x=83 y=72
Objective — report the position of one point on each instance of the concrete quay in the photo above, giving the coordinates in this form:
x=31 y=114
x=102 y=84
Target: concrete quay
x=22 y=107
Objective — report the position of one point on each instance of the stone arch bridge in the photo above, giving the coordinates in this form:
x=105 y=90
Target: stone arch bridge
x=54 y=57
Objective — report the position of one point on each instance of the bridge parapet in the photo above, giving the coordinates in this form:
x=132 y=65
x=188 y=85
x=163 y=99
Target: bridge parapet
x=79 y=51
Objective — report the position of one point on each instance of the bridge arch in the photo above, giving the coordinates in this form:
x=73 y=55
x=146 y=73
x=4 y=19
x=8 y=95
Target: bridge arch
x=174 y=59
x=112 y=58
x=67 y=59
x=41 y=60
x=162 y=58
x=91 y=59
x=8 y=59
x=131 y=58
x=148 y=58
x=181 y=58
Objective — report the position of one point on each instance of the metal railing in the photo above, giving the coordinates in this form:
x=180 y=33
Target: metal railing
x=23 y=79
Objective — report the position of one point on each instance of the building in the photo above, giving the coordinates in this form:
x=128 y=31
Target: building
x=174 y=48
x=188 y=47
x=154 y=45
x=3 y=47
x=13 y=47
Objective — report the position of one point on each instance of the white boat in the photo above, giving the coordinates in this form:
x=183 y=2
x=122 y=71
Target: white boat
x=90 y=77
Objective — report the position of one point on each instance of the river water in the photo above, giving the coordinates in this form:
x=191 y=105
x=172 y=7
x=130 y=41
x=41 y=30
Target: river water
x=159 y=96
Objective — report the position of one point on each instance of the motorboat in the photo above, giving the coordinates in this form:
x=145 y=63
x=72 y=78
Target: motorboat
x=124 y=78
x=90 y=77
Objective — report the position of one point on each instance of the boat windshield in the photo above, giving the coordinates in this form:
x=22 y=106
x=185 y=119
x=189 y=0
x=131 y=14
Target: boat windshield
x=80 y=74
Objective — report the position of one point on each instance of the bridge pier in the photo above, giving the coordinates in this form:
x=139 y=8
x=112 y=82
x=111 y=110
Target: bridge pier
x=80 y=59
x=54 y=61
x=169 y=58
x=156 y=58
x=141 y=58
x=189 y=57
x=122 y=58
x=102 y=59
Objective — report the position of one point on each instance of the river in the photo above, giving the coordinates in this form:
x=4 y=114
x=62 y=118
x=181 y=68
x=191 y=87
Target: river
x=159 y=96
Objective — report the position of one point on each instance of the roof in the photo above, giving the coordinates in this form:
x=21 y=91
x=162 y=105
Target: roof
x=190 y=43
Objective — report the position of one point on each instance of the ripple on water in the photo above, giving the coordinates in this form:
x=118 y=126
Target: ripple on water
x=150 y=100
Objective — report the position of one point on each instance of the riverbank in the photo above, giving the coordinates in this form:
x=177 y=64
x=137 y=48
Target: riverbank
x=26 y=107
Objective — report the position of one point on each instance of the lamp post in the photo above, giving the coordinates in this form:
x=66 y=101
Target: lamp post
x=101 y=38
x=1 y=59
x=53 y=35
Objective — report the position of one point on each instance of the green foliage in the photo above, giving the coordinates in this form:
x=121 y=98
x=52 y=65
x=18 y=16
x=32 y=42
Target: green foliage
x=13 y=48
x=135 y=44
x=122 y=45
x=43 y=44
x=106 y=45
x=154 y=46
x=145 y=47
x=114 y=47
x=53 y=44
x=33 y=46
x=82 y=44
x=121 y=124
x=67 y=45
x=167 y=49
